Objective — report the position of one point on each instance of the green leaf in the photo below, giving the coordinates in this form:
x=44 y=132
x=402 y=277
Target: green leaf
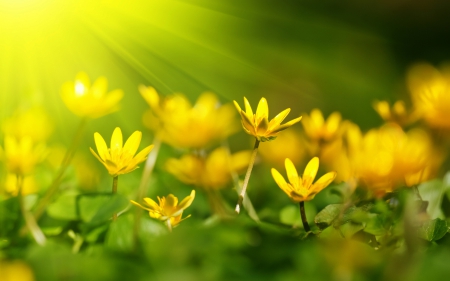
x=328 y=215
x=433 y=192
x=120 y=234
x=65 y=207
x=100 y=208
x=433 y=230
x=9 y=216
x=375 y=225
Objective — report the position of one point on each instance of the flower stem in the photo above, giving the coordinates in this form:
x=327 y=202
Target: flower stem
x=114 y=191
x=303 y=215
x=169 y=225
x=30 y=222
x=148 y=169
x=59 y=176
x=247 y=177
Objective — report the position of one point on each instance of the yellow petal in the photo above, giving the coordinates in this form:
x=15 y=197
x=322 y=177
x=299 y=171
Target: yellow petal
x=132 y=143
x=99 y=87
x=139 y=205
x=276 y=121
x=382 y=108
x=83 y=78
x=150 y=95
x=96 y=156
x=247 y=123
x=237 y=106
x=102 y=149
x=323 y=182
x=151 y=204
x=186 y=202
x=248 y=108
x=317 y=118
x=116 y=144
x=291 y=172
x=310 y=172
x=142 y=155
x=287 y=125
x=262 y=111
x=281 y=182
x=333 y=122
x=171 y=201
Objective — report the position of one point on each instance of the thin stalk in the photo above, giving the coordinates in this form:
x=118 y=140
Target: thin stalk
x=59 y=176
x=247 y=177
x=169 y=225
x=114 y=191
x=142 y=191
x=30 y=222
x=303 y=215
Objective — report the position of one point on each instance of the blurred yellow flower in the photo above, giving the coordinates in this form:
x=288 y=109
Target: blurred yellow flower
x=258 y=124
x=180 y=124
x=29 y=185
x=302 y=189
x=397 y=113
x=22 y=155
x=34 y=123
x=120 y=159
x=290 y=144
x=319 y=129
x=168 y=208
x=15 y=271
x=212 y=172
x=86 y=100
x=430 y=92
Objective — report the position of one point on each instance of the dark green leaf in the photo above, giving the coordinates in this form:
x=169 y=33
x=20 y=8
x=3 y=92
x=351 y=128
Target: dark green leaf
x=433 y=230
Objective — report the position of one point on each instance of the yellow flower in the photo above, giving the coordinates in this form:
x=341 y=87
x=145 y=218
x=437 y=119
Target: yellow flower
x=258 y=124
x=86 y=100
x=290 y=144
x=16 y=270
x=430 y=93
x=302 y=189
x=120 y=159
x=33 y=123
x=22 y=155
x=317 y=129
x=29 y=185
x=397 y=113
x=181 y=124
x=168 y=208
x=212 y=172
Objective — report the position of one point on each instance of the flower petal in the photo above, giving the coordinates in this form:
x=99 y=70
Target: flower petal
x=132 y=144
x=150 y=95
x=151 y=204
x=237 y=106
x=140 y=206
x=99 y=87
x=310 y=172
x=276 y=121
x=102 y=149
x=291 y=172
x=281 y=182
x=248 y=108
x=287 y=125
x=323 y=182
x=186 y=202
x=262 y=111
x=116 y=144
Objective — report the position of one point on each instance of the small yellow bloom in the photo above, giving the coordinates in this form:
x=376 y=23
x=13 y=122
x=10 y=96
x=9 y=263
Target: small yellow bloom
x=397 y=113
x=168 y=208
x=290 y=144
x=86 y=100
x=120 y=159
x=258 y=124
x=34 y=123
x=430 y=94
x=16 y=270
x=183 y=125
x=212 y=172
x=319 y=129
x=22 y=155
x=302 y=189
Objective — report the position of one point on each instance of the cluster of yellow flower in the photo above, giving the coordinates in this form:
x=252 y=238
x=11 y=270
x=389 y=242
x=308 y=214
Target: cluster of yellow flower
x=381 y=159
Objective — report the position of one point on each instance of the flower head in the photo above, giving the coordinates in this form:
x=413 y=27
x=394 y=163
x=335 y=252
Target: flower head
x=302 y=188
x=120 y=159
x=34 y=123
x=22 y=155
x=181 y=124
x=319 y=129
x=167 y=208
x=86 y=100
x=397 y=113
x=258 y=124
x=212 y=172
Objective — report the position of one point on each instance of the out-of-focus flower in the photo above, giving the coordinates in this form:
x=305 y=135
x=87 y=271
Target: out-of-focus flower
x=86 y=100
x=15 y=271
x=22 y=155
x=168 y=208
x=258 y=124
x=180 y=124
x=430 y=92
x=390 y=158
x=299 y=188
x=319 y=129
x=212 y=172
x=29 y=185
x=397 y=113
x=33 y=123
x=290 y=144
x=120 y=159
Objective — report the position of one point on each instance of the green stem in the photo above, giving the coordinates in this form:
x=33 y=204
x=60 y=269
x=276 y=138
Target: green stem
x=303 y=215
x=40 y=208
x=247 y=177
x=30 y=222
x=114 y=191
